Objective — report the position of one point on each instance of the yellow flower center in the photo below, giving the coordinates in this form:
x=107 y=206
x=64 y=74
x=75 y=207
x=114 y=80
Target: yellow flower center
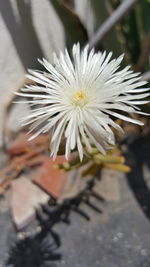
x=80 y=98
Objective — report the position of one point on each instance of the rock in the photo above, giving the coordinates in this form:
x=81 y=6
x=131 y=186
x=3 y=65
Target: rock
x=25 y=198
x=108 y=186
x=75 y=184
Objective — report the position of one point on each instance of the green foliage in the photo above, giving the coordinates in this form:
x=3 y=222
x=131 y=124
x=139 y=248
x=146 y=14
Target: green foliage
x=127 y=37
x=130 y=36
x=145 y=14
x=102 y=10
x=94 y=161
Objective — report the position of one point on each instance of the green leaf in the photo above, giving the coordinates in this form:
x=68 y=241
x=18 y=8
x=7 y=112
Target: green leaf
x=118 y=167
x=131 y=34
x=145 y=13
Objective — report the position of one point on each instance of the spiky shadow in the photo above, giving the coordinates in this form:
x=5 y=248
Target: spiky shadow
x=53 y=213
x=38 y=250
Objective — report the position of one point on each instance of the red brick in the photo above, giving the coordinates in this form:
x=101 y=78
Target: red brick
x=51 y=179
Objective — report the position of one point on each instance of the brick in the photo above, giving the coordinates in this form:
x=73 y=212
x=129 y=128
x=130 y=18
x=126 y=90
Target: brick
x=50 y=178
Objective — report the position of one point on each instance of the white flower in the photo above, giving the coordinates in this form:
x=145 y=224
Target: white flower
x=78 y=98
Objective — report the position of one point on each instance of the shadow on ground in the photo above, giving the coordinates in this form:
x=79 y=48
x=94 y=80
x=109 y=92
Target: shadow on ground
x=40 y=249
x=104 y=235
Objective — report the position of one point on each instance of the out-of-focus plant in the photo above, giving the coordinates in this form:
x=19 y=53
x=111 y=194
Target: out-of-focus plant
x=73 y=27
x=129 y=35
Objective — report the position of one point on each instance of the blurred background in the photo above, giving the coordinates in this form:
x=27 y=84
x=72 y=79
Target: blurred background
x=32 y=29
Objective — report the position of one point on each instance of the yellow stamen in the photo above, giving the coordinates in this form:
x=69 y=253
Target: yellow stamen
x=79 y=98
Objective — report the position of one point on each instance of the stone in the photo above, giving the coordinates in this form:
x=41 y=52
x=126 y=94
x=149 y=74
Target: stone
x=108 y=186
x=50 y=178
x=75 y=184
x=25 y=198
